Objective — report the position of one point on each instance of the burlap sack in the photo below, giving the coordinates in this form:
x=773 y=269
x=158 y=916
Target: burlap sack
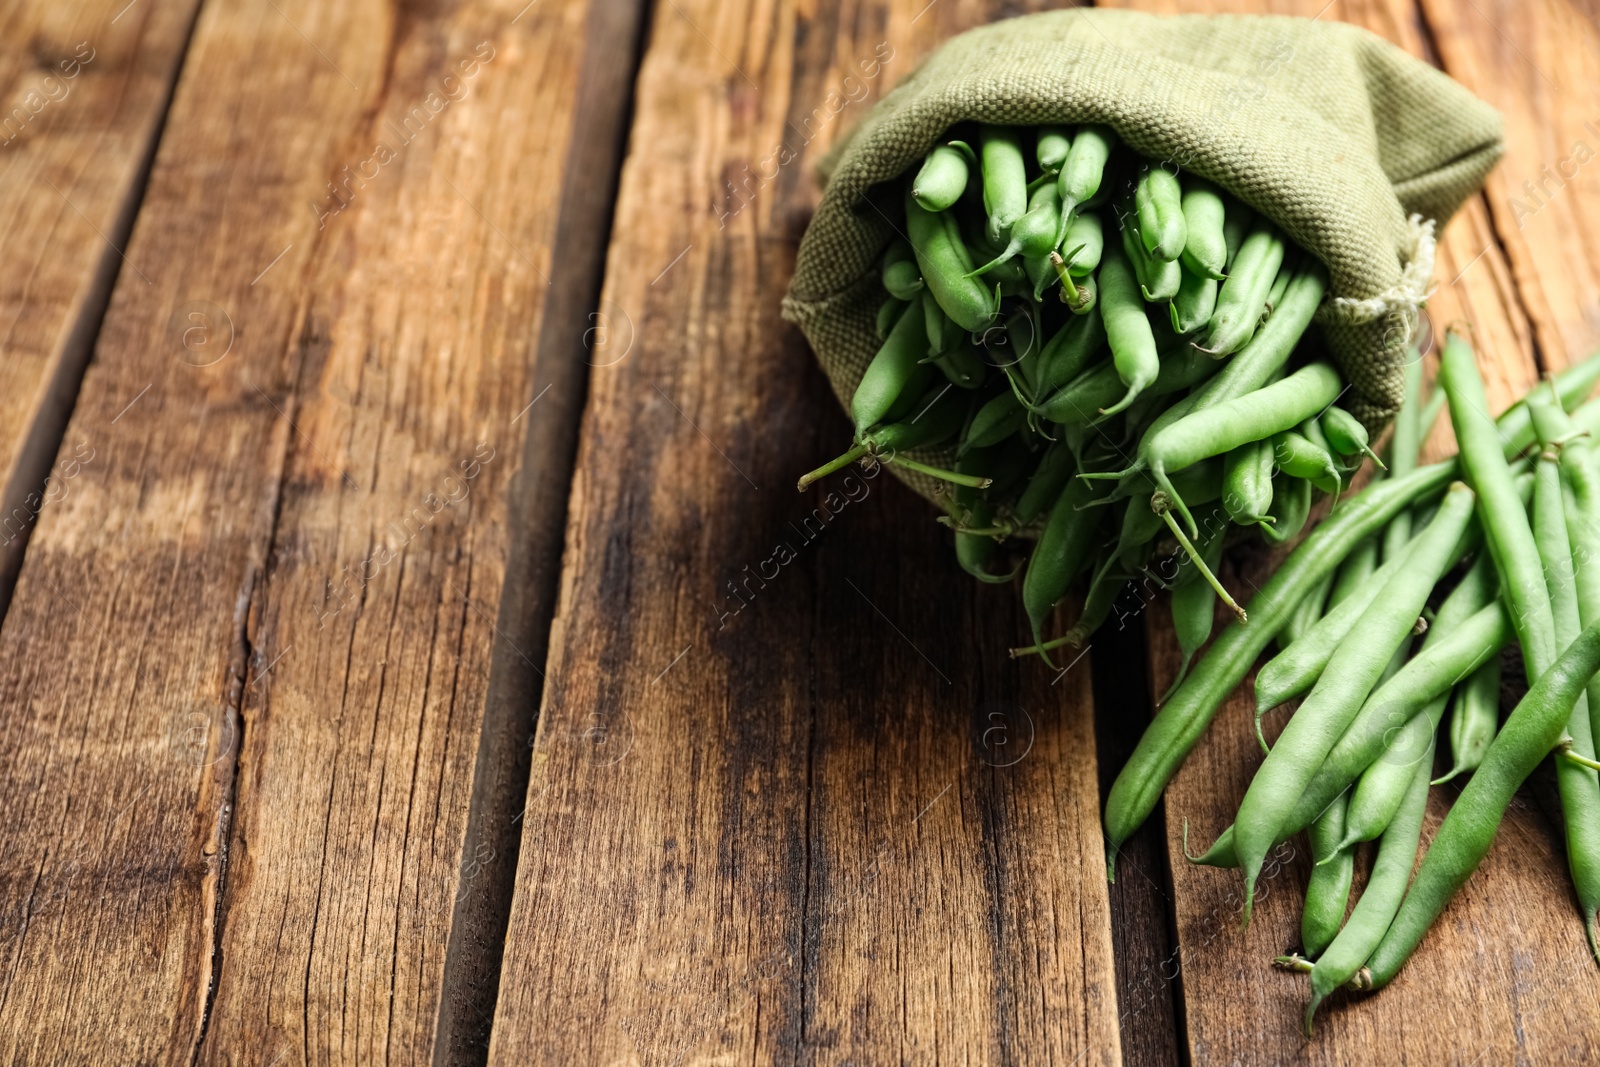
x=1357 y=150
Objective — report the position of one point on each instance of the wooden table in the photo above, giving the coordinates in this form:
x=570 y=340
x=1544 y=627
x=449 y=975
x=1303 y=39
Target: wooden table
x=398 y=431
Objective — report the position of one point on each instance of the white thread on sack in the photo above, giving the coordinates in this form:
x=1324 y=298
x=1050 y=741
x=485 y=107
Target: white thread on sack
x=1406 y=296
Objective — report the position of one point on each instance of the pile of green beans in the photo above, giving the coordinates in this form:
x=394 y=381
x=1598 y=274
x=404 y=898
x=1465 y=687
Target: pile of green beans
x=1110 y=346
x=1112 y=350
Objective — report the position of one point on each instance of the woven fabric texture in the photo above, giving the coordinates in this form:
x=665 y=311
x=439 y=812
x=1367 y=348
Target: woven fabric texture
x=1354 y=148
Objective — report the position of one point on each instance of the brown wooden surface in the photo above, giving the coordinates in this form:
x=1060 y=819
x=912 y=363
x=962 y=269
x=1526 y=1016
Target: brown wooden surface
x=263 y=809
x=244 y=731
x=794 y=843
x=83 y=90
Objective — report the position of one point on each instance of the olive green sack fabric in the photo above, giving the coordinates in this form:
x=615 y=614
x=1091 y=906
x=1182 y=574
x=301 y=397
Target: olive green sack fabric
x=1354 y=148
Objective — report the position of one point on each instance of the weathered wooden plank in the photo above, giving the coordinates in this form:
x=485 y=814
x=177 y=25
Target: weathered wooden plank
x=83 y=89
x=765 y=820
x=252 y=651
x=1539 y=63
x=1483 y=985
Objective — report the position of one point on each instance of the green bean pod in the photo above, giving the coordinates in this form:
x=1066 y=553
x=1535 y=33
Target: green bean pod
x=1085 y=244
x=1237 y=222
x=1063 y=550
x=1339 y=694
x=1328 y=891
x=1051 y=147
x=1346 y=434
x=1468 y=830
x=1044 y=488
x=1268 y=351
x=1133 y=344
x=1180 y=722
x=1158 y=199
x=1579 y=479
x=1085 y=166
x=1194 y=303
x=1085 y=293
x=1033 y=233
x=895 y=365
x=900 y=274
x=1205 y=249
x=1299 y=457
x=1159 y=279
x=1474 y=718
x=1578 y=786
x=1194 y=606
x=1357 y=568
x=1382 y=787
x=1306 y=614
x=1243 y=296
x=1081 y=401
x=1247 y=483
x=1000 y=417
x=1375 y=908
x=943 y=177
x=1218 y=429
x=888 y=314
x=943 y=259
x=1291 y=506
x=1068 y=352
x=1005 y=178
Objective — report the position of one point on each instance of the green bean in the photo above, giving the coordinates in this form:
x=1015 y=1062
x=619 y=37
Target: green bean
x=1218 y=429
x=888 y=314
x=1192 y=307
x=1247 y=483
x=1356 y=569
x=999 y=418
x=1061 y=553
x=1205 y=250
x=1468 y=830
x=1068 y=351
x=1296 y=670
x=1244 y=294
x=1044 y=488
x=1237 y=221
x=1474 y=718
x=937 y=417
x=1405 y=446
x=943 y=177
x=900 y=275
x=948 y=347
x=910 y=398
x=1005 y=179
x=1268 y=351
x=1328 y=891
x=1185 y=716
x=1413 y=691
x=943 y=259
x=1578 y=478
x=1299 y=457
x=1578 y=786
x=1346 y=434
x=1097 y=605
x=1194 y=606
x=1504 y=522
x=1159 y=201
x=1280 y=285
x=1085 y=292
x=1032 y=234
x=1159 y=279
x=1306 y=614
x=1085 y=165
x=1375 y=908
x=1081 y=401
x=974 y=551
x=887 y=376
x=1291 y=506
x=1085 y=243
x=1382 y=787
x=1133 y=345
x=1051 y=147
x=1342 y=689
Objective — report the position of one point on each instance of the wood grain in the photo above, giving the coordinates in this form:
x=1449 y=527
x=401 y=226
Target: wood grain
x=83 y=89
x=1539 y=64
x=1483 y=987
x=242 y=725
x=765 y=821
